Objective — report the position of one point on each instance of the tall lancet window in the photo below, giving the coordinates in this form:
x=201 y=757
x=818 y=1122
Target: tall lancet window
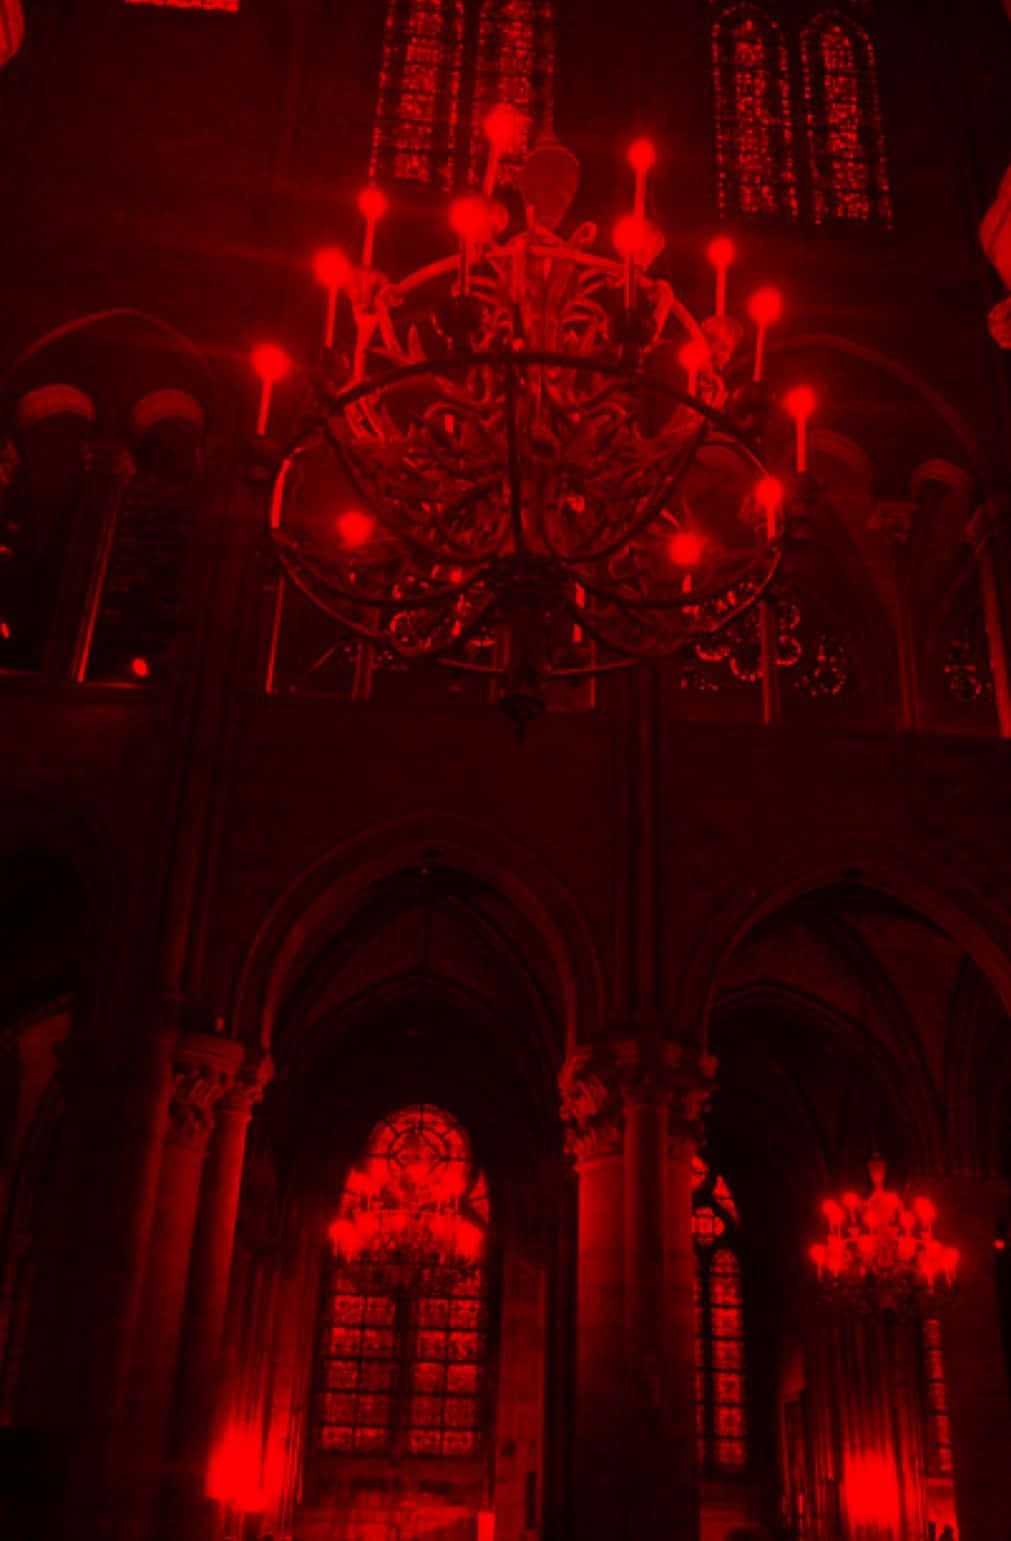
x=417 y=114
x=849 y=175
x=404 y=1336
x=721 y=1418
x=754 y=140
x=515 y=66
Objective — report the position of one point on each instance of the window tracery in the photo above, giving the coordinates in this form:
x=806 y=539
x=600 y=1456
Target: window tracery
x=721 y=1420
x=417 y=116
x=754 y=136
x=849 y=175
x=813 y=660
x=515 y=65
x=404 y=1344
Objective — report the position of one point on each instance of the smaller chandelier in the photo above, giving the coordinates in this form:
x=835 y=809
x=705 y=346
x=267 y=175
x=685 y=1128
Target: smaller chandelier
x=882 y=1251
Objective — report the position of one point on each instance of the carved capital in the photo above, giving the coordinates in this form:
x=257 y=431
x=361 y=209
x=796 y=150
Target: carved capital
x=696 y=1081
x=591 y=1105
x=205 y=1069
x=249 y=1085
x=647 y=1068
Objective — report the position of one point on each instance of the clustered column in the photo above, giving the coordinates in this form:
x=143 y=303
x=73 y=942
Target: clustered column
x=629 y=1109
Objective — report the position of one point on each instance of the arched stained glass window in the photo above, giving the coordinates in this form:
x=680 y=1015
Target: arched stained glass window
x=417 y=115
x=515 y=66
x=721 y=1419
x=849 y=176
x=936 y=1398
x=754 y=140
x=404 y=1338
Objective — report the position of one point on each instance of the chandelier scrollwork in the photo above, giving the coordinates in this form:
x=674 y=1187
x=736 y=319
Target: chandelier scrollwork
x=525 y=459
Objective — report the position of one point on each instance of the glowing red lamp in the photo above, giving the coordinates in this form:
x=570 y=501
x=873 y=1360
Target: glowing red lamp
x=765 y=308
x=355 y=528
x=687 y=548
x=333 y=270
x=769 y=495
x=503 y=128
x=721 y=253
x=800 y=403
x=272 y=364
x=693 y=358
x=373 y=204
x=140 y=668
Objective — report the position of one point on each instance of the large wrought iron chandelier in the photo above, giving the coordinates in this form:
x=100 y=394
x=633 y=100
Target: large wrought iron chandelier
x=881 y=1253
x=528 y=458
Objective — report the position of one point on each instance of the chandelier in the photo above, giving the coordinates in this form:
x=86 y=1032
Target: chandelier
x=528 y=458
x=881 y=1252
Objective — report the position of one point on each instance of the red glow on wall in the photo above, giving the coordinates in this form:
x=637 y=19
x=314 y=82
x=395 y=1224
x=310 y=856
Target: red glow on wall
x=233 y=1472
x=871 y=1494
x=754 y=148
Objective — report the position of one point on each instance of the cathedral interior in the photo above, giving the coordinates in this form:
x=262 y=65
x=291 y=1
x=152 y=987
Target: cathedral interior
x=505 y=845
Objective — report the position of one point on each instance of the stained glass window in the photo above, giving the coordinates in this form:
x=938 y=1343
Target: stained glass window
x=849 y=176
x=515 y=66
x=938 y=1422
x=191 y=5
x=721 y=1419
x=415 y=129
x=754 y=142
x=404 y=1341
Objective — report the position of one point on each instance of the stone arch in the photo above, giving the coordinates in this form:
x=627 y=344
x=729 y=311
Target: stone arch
x=326 y=896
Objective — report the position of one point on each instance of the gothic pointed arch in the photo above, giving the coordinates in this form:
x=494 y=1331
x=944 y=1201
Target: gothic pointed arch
x=515 y=66
x=414 y=132
x=846 y=146
x=754 y=132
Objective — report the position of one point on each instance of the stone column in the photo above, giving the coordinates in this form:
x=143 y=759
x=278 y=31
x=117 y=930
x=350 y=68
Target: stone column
x=969 y=1212
x=989 y=534
x=634 y=1466
x=205 y=1068
x=207 y=1297
x=592 y=1113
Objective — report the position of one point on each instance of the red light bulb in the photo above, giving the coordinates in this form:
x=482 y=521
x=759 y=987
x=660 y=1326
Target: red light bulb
x=270 y=362
x=503 y=128
x=355 y=528
x=373 y=203
x=630 y=236
x=642 y=155
x=332 y=268
x=765 y=307
x=800 y=402
x=470 y=218
x=687 y=548
x=140 y=668
x=721 y=251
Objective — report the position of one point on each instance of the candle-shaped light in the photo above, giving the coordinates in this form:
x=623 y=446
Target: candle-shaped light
x=800 y=403
x=470 y=218
x=373 y=203
x=769 y=494
x=765 y=308
x=271 y=364
x=642 y=159
x=693 y=358
x=630 y=237
x=503 y=128
x=332 y=270
x=721 y=253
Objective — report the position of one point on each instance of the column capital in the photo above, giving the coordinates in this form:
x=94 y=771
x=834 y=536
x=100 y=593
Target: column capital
x=251 y=1081
x=599 y=1082
x=204 y=1071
